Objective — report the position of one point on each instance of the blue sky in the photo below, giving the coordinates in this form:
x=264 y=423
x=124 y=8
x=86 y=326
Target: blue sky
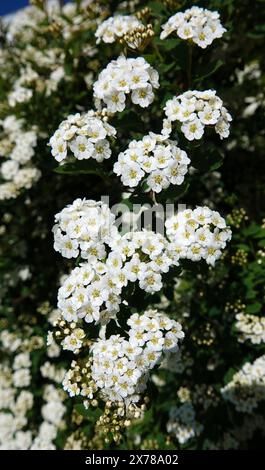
x=7 y=6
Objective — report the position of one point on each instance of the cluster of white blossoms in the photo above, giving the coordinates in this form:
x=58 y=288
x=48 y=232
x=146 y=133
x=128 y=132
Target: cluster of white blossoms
x=25 y=22
x=120 y=367
x=182 y=423
x=160 y=162
x=52 y=413
x=85 y=136
x=115 y=27
x=22 y=89
x=84 y=228
x=15 y=403
x=247 y=387
x=93 y=289
x=14 y=406
x=30 y=81
x=250 y=327
x=17 y=432
x=17 y=150
x=196 y=24
x=198 y=234
x=195 y=110
x=124 y=76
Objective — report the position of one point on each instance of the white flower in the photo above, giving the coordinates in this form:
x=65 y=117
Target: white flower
x=157 y=181
x=132 y=175
x=193 y=129
x=150 y=281
x=143 y=96
x=59 y=149
x=115 y=101
x=81 y=147
x=21 y=377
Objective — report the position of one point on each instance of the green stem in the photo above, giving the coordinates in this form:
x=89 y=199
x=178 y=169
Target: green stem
x=189 y=71
x=157 y=52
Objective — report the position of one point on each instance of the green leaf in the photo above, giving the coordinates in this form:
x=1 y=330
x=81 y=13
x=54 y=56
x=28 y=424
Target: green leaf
x=85 y=167
x=167 y=44
x=210 y=70
x=158 y=8
x=229 y=375
x=173 y=193
x=91 y=414
x=254 y=308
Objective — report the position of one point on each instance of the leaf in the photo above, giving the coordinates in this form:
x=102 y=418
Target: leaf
x=212 y=68
x=210 y=160
x=168 y=44
x=157 y=8
x=173 y=193
x=254 y=308
x=229 y=375
x=91 y=414
x=86 y=167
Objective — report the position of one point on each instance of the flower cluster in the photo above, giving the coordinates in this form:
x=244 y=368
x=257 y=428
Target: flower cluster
x=14 y=406
x=250 y=327
x=17 y=148
x=120 y=367
x=182 y=423
x=52 y=413
x=86 y=136
x=124 y=76
x=83 y=228
x=196 y=24
x=247 y=387
x=160 y=162
x=16 y=398
x=198 y=234
x=197 y=109
x=93 y=290
x=68 y=18
x=115 y=27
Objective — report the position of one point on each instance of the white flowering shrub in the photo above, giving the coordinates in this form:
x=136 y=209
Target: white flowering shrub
x=199 y=25
x=17 y=148
x=17 y=397
x=246 y=388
